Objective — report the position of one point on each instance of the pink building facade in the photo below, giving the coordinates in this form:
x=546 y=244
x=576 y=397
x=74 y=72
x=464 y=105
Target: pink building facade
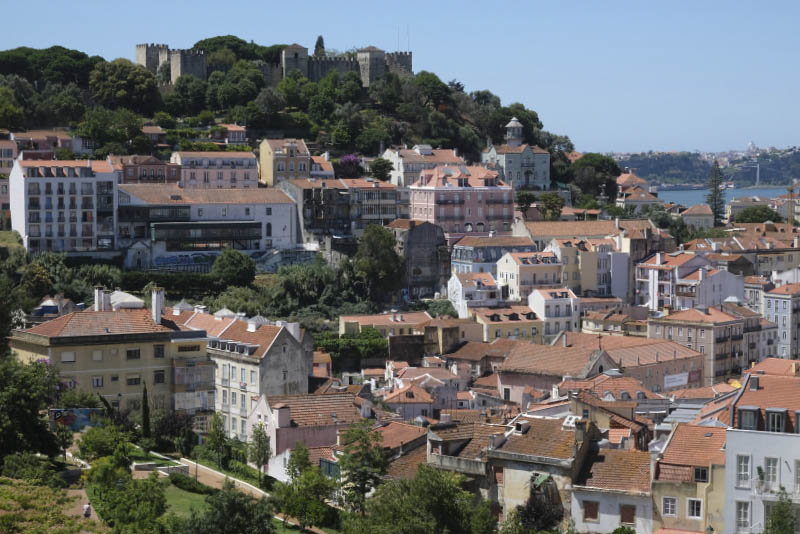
x=463 y=201
x=217 y=170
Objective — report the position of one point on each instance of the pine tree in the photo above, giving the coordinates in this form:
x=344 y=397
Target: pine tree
x=319 y=47
x=781 y=519
x=145 y=413
x=716 y=196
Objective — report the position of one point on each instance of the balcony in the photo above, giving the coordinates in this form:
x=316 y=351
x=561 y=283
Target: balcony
x=459 y=465
x=684 y=293
x=722 y=339
x=722 y=356
x=736 y=337
x=497 y=217
x=499 y=201
x=749 y=329
x=449 y=200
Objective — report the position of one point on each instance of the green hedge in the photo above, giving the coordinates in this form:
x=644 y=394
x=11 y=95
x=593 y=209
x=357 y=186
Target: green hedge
x=186 y=483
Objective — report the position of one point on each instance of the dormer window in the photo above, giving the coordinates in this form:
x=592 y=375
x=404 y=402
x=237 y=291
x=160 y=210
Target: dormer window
x=748 y=417
x=776 y=419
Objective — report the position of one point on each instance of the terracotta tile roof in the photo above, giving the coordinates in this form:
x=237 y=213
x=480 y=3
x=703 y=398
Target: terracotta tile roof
x=96 y=164
x=439 y=373
x=691 y=446
x=534 y=258
x=438 y=155
x=475 y=351
x=172 y=194
x=319 y=372
x=529 y=358
x=489 y=381
x=603 y=384
x=637 y=193
x=324 y=164
x=411 y=394
x=583 y=229
x=698 y=209
x=556 y=293
x=786 y=289
x=508 y=315
x=629 y=179
x=708 y=392
x=405 y=224
x=726 y=256
x=650 y=353
x=42 y=134
x=94 y=323
x=774 y=391
x=396 y=434
x=449 y=176
x=366 y=183
x=472 y=279
x=278 y=144
x=374 y=371
x=695 y=275
x=617 y=469
x=617 y=435
x=234 y=127
x=775 y=366
x=315 y=454
x=477 y=435
x=385 y=319
x=318 y=410
x=263 y=337
x=574 y=156
x=213 y=326
x=317 y=183
x=673 y=260
x=714 y=315
x=495 y=241
x=153 y=130
x=716 y=410
x=545 y=437
x=405 y=467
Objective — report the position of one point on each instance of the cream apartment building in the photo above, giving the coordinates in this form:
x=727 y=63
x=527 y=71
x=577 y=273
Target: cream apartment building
x=284 y=159
x=217 y=170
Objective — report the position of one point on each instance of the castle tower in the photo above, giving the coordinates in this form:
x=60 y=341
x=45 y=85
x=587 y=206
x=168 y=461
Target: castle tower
x=514 y=132
x=294 y=57
x=150 y=55
x=372 y=63
x=187 y=62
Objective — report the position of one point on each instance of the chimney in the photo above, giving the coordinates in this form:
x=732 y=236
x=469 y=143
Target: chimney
x=106 y=300
x=98 y=298
x=199 y=308
x=157 y=304
x=616 y=222
x=753 y=383
x=282 y=415
x=580 y=431
x=445 y=418
x=251 y=326
x=563 y=339
x=294 y=329
x=659 y=258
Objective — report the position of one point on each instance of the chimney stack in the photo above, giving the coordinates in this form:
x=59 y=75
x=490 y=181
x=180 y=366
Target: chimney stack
x=157 y=304
x=98 y=298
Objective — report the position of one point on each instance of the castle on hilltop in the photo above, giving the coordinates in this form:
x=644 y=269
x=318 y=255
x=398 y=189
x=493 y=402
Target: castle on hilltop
x=370 y=63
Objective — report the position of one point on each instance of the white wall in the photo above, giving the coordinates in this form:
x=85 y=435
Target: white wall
x=608 y=518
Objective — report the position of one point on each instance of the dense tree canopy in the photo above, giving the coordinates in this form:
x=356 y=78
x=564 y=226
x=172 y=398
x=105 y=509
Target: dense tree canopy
x=122 y=84
x=377 y=263
x=50 y=65
x=758 y=214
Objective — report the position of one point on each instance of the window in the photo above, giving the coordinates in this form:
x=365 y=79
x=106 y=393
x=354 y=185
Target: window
x=224 y=396
x=252 y=377
x=701 y=474
x=97 y=381
x=774 y=421
x=669 y=506
x=269 y=211
x=115 y=378
x=133 y=354
x=233 y=398
x=224 y=212
x=506 y=394
x=243 y=374
x=590 y=509
x=771 y=472
x=247 y=212
x=158 y=377
x=742 y=471
x=627 y=514
x=134 y=380
x=97 y=355
x=68 y=357
x=747 y=419
x=188 y=348
x=199 y=212
x=742 y=516
x=158 y=351
x=694 y=508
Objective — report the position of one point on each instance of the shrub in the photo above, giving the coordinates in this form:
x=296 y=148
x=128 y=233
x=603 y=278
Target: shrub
x=31 y=468
x=186 y=483
x=100 y=441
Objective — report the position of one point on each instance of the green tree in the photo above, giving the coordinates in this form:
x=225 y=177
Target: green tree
x=60 y=104
x=781 y=518
x=122 y=84
x=376 y=262
x=381 y=168
x=164 y=73
x=593 y=171
x=304 y=499
x=298 y=461
x=77 y=398
x=216 y=438
x=552 y=203
x=12 y=115
x=434 y=91
x=64 y=438
x=433 y=501
x=362 y=465
x=36 y=280
x=524 y=199
x=99 y=441
x=319 y=47
x=106 y=126
x=188 y=96
x=145 y=412
x=443 y=307
x=234 y=268
x=716 y=196
x=259 y=451
x=26 y=390
x=758 y=214
x=222 y=59
x=165 y=120
x=229 y=510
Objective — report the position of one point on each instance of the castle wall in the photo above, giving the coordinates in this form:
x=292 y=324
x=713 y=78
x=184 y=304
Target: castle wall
x=399 y=62
x=372 y=66
x=187 y=62
x=294 y=57
x=319 y=67
x=148 y=55
x=272 y=72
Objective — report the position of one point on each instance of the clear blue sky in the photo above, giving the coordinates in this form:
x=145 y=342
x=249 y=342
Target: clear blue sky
x=613 y=75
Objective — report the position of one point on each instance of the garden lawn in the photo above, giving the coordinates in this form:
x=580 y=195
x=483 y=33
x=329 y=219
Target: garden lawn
x=180 y=502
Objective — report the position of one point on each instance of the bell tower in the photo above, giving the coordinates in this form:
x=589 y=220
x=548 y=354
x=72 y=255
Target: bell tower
x=514 y=132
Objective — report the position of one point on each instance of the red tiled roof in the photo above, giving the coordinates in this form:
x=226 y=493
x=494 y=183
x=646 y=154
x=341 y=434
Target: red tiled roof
x=548 y=360
x=96 y=164
x=405 y=467
x=411 y=394
x=708 y=392
x=713 y=315
x=385 y=319
x=775 y=366
x=698 y=209
x=691 y=446
x=617 y=469
x=99 y=323
x=221 y=154
x=318 y=410
x=476 y=350
x=495 y=241
x=405 y=224
x=396 y=434
x=173 y=194
x=786 y=289
x=616 y=385
x=545 y=437
x=436 y=372
x=444 y=175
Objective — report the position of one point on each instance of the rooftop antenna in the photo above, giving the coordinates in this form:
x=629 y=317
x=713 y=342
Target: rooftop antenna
x=398 y=37
x=408 y=38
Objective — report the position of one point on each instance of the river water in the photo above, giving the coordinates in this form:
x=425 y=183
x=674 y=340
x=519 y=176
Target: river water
x=691 y=197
